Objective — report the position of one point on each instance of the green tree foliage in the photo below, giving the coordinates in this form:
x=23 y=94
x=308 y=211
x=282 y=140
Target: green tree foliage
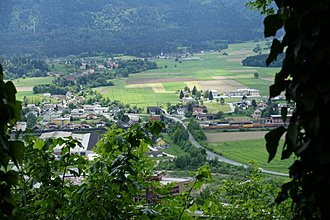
x=210 y=95
x=206 y=94
x=181 y=94
x=256 y=75
x=178 y=133
x=222 y=101
x=131 y=66
x=196 y=130
x=10 y=150
x=186 y=89
x=253 y=103
x=220 y=115
x=252 y=198
x=305 y=81
x=31 y=120
x=50 y=88
x=61 y=28
x=194 y=90
x=198 y=95
x=260 y=60
x=17 y=67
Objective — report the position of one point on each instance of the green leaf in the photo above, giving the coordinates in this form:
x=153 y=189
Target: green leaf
x=155 y=127
x=12 y=177
x=17 y=150
x=284 y=112
x=272 y=23
x=38 y=144
x=193 y=208
x=272 y=140
x=278 y=87
x=290 y=141
x=275 y=50
x=203 y=173
x=11 y=92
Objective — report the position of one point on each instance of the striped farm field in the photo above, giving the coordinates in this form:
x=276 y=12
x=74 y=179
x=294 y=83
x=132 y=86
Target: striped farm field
x=156 y=87
x=212 y=70
x=222 y=85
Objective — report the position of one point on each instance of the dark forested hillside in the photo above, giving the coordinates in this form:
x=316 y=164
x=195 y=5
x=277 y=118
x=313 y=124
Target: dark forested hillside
x=143 y=27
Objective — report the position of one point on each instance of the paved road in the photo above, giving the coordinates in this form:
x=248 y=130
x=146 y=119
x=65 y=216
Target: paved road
x=211 y=155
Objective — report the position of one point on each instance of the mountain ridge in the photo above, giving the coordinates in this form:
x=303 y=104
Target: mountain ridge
x=60 y=27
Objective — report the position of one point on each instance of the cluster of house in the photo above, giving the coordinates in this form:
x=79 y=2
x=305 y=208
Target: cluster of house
x=57 y=114
x=88 y=142
x=239 y=93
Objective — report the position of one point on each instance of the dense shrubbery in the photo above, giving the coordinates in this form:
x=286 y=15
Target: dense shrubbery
x=196 y=131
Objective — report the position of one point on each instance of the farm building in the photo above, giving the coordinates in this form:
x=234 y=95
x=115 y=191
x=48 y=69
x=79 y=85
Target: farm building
x=244 y=92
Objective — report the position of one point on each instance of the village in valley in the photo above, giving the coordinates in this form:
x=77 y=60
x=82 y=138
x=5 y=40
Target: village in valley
x=84 y=97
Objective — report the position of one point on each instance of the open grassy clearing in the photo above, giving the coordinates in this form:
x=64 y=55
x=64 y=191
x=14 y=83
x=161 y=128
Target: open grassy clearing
x=24 y=86
x=20 y=95
x=174 y=149
x=62 y=68
x=142 y=97
x=245 y=151
x=173 y=86
x=31 y=81
x=214 y=107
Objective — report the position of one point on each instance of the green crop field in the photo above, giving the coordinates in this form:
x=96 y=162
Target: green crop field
x=245 y=151
x=207 y=70
x=214 y=107
x=24 y=86
x=32 y=81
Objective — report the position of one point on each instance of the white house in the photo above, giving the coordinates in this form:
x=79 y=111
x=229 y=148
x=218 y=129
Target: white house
x=188 y=99
x=88 y=141
x=214 y=93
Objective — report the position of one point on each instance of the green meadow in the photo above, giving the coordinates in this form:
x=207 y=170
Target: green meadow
x=31 y=81
x=174 y=76
x=245 y=151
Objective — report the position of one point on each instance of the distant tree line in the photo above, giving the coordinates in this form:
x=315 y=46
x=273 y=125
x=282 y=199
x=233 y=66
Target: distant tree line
x=50 y=88
x=94 y=80
x=260 y=60
x=18 y=67
x=126 y=67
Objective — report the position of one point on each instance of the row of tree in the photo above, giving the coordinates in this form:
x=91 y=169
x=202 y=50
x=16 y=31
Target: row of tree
x=260 y=60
